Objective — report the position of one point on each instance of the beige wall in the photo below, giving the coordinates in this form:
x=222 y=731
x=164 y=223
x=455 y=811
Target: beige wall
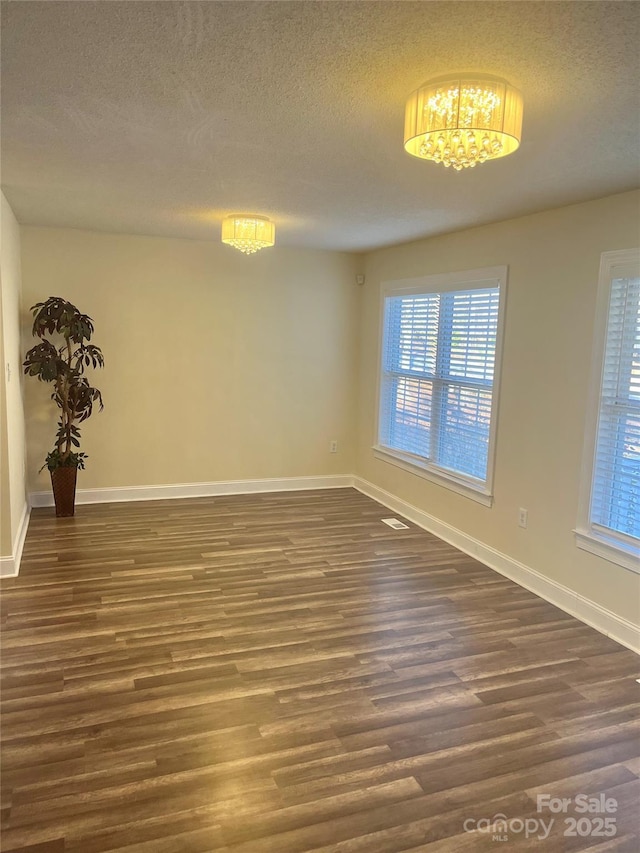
x=553 y=260
x=6 y=539
x=218 y=366
x=12 y=457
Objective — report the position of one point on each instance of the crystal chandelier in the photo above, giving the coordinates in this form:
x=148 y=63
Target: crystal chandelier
x=462 y=120
x=248 y=232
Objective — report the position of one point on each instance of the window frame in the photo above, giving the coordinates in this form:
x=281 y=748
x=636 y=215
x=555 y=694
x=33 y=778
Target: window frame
x=589 y=536
x=480 y=491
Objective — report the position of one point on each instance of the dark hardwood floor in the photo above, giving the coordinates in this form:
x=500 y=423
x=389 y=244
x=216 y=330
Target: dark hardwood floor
x=285 y=673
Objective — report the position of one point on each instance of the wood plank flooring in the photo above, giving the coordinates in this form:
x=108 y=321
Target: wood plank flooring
x=285 y=673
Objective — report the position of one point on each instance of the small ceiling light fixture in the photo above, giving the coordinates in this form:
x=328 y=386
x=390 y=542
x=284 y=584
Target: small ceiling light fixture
x=248 y=232
x=463 y=119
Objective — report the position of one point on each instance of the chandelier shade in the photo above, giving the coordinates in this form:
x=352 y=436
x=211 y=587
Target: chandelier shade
x=463 y=119
x=248 y=232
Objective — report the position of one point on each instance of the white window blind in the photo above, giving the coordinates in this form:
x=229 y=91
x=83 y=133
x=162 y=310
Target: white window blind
x=437 y=377
x=615 y=494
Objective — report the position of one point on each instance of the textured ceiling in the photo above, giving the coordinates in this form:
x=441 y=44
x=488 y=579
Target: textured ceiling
x=162 y=117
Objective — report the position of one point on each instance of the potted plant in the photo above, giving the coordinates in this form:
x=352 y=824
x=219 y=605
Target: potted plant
x=64 y=366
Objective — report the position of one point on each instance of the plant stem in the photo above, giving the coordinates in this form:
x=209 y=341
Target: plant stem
x=67 y=414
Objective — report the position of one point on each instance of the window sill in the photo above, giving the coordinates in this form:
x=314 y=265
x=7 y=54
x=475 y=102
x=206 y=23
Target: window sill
x=608 y=549
x=435 y=475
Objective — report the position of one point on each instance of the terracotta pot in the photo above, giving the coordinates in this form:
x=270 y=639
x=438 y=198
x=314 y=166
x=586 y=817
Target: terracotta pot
x=63 y=482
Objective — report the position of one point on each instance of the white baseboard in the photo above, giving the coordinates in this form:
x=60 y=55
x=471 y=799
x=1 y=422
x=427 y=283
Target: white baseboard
x=198 y=490
x=622 y=631
x=10 y=566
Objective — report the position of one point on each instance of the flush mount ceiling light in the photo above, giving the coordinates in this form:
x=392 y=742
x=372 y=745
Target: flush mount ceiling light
x=248 y=232
x=463 y=119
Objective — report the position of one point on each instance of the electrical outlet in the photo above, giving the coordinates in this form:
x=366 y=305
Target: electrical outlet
x=523 y=517
x=333 y=446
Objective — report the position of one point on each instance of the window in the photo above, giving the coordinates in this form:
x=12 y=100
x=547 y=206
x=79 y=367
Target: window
x=438 y=377
x=609 y=521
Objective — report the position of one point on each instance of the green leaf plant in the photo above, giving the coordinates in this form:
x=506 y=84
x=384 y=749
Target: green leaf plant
x=63 y=362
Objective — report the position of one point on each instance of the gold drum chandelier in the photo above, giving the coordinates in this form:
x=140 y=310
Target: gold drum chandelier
x=463 y=119
x=248 y=232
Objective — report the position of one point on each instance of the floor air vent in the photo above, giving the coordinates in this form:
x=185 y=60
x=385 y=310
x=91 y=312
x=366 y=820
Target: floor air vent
x=395 y=523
